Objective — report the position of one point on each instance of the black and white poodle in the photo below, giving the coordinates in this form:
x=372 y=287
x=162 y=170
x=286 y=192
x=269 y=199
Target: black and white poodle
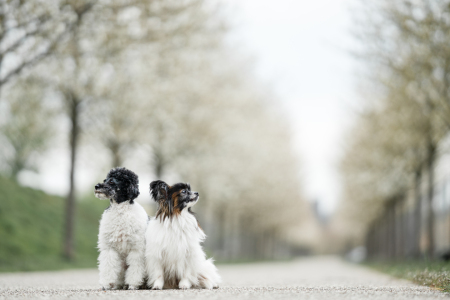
x=121 y=238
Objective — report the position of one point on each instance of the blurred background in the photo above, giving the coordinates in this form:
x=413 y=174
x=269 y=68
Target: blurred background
x=307 y=128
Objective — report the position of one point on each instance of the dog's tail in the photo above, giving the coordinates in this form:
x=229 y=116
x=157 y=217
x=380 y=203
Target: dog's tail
x=209 y=276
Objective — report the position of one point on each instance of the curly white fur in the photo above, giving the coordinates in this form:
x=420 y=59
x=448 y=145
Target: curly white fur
x=122 y=246
x=174 y=255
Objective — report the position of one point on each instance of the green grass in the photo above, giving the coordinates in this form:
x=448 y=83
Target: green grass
x=433 y=274
x=31 y=230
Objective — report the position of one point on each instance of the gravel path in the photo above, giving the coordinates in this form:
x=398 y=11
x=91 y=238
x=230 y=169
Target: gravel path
x=310 y=278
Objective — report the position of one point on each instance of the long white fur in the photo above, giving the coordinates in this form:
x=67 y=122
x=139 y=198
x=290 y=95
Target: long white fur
x=121 y=242
x=174 y=255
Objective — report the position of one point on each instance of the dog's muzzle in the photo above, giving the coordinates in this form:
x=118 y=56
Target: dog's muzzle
x=100 y=192
x=195 y=198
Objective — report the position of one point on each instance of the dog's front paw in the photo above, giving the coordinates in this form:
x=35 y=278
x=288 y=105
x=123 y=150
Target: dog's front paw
x=108 y=287
x=158 y=285
x=133 y=287
x=207 y=284
x=184 y=284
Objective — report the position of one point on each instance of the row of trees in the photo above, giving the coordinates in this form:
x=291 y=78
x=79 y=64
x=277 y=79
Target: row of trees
x=395 y=142
x=152 y=78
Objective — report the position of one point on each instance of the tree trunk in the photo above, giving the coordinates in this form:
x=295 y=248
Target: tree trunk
x=114 y=147
x=400 y=236
x=70 y=200
x=417 y=220
x=158 y=164
x=385 y=236
x=221 y=232
x=17 y=165
x=392 y=232
x=371 y=241
x=431 y=156
x=1 y=66
x=378 y=239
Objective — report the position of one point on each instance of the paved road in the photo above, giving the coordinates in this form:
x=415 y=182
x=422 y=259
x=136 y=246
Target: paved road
x=311 y=278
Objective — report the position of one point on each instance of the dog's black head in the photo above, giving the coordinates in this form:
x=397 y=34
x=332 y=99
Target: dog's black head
x=172 y=199
x=120 y=185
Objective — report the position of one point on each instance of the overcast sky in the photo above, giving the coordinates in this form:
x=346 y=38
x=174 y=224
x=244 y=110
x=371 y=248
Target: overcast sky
x=302 y=48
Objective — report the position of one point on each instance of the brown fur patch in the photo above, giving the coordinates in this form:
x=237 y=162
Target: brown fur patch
x=176 y=209
x=163 y=209
x=168 y=209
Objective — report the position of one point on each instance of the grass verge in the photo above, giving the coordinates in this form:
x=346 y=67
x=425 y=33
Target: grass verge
x=433 y=274
x=31 y=230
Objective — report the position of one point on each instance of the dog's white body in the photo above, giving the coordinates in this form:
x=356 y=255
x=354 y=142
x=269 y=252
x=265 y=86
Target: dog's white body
x=121 y=242
x=174 y=254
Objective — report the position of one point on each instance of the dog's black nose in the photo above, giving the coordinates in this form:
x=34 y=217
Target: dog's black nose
x=97 y=186
x=196 y=193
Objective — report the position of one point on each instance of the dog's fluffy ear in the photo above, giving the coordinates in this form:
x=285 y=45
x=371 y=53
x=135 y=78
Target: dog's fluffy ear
x=159 y=190
x=133 y=191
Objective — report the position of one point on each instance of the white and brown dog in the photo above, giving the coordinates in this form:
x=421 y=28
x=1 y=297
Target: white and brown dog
x=174 y=255
x=121 y=239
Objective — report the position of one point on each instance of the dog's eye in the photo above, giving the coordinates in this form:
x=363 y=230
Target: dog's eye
x=183 y=191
